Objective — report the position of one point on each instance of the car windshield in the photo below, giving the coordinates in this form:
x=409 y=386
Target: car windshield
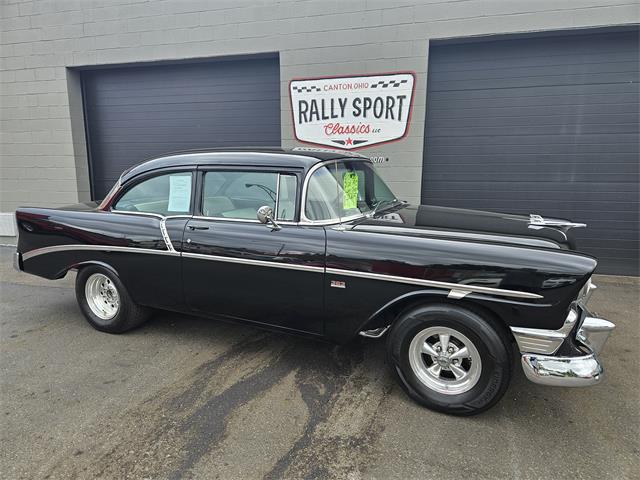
x=346 y=189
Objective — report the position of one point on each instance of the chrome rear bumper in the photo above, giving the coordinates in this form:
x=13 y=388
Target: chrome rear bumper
x=580 y=370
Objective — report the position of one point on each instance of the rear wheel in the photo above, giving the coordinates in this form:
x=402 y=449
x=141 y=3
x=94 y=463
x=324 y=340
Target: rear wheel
x=105 y=302
x=450 y=359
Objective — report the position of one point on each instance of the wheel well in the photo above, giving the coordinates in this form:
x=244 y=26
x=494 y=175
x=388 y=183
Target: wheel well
x=81 y=265
x=390 y=314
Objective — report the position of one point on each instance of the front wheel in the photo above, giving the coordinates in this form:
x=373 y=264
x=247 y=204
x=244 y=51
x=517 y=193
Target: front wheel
x=105 y=302
x=450 y=359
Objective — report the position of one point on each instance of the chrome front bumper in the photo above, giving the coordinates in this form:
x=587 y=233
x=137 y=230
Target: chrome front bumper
x=17 y=261
x=580 y=368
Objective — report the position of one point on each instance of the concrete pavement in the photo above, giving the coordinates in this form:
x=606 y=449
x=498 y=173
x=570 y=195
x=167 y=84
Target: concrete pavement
x=184 y=397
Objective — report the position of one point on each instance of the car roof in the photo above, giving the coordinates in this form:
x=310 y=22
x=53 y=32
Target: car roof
x=301 y=157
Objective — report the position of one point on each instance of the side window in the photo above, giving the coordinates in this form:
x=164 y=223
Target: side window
x=238 y=194
x=168 y=194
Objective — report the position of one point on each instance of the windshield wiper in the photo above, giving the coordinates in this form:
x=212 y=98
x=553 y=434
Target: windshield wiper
x=382 y=203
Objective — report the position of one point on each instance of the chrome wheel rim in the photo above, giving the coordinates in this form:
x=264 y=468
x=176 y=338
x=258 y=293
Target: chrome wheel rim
x=445 y=360
x=102 y=296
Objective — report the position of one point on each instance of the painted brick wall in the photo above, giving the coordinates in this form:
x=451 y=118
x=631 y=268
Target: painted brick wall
x=42 y=140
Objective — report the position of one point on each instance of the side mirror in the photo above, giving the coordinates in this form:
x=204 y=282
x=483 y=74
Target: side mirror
x=265 y=216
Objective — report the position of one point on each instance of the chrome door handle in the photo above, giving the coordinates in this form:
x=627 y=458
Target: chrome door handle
x=198 y=227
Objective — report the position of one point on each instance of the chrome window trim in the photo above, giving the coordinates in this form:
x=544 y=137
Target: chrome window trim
x=277 y=210
x=149 y=214
x=250 y=220
x=304 y=220
x=275 y=213
x=224 y=219
x=243 y=220
x=148 y=176
x=140 y=214
x=111 y=194
x=457 y=288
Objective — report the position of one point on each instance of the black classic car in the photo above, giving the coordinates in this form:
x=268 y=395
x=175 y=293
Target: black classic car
x=314 y=242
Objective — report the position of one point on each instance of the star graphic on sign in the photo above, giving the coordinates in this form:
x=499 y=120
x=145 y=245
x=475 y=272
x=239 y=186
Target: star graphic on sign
x=349 y=141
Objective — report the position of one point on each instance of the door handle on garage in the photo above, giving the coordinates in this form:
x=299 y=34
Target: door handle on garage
x=198 y=227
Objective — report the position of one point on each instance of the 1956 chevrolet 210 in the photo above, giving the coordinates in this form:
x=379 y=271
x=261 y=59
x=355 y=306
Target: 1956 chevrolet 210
x=313 y=242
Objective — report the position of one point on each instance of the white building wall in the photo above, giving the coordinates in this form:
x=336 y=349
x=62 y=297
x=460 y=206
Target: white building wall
x=43 y=153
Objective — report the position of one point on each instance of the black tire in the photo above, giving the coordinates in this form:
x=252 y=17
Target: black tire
x=129 y=315
x=490 y=342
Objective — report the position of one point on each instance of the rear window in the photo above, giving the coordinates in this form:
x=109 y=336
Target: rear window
x=168 y=194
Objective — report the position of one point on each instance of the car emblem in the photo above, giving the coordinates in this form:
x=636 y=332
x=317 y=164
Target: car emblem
x=338 y=284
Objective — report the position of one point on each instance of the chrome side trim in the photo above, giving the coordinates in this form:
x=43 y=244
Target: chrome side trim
x=101 y=248
x=458 y=294
x=375 y=333
x=456 y=290
x=257 y=263
x=165 y=234
x=458 y=287
x=539 y=340
x=563 y=371
x=534 y=340
x=527 y=241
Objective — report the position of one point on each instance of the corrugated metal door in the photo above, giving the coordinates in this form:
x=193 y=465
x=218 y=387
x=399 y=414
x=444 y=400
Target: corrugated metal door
x=134 y=113
x=544 y=125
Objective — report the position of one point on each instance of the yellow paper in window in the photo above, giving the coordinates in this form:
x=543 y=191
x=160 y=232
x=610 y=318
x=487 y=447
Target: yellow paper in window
x=350 y=187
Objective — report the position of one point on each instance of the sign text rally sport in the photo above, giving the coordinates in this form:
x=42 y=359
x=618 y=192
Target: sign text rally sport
x=352 y=112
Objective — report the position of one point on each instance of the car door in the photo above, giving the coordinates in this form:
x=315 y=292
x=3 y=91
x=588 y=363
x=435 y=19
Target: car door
x=235 y=266
x=151 y=213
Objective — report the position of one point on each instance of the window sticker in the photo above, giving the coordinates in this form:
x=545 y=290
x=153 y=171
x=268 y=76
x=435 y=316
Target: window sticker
x=179 y=193
x=350 y=187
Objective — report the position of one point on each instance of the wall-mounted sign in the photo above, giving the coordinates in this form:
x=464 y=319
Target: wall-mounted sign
x=352 y=112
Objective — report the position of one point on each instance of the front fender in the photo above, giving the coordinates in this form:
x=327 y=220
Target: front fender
x=507 y=312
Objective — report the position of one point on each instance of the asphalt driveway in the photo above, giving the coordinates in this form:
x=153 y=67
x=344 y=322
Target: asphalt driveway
x=185 y=397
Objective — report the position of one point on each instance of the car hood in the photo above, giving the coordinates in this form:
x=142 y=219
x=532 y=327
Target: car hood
x=463 y=224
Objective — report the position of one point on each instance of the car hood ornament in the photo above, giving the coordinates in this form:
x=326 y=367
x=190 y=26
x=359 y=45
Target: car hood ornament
x=538 y=221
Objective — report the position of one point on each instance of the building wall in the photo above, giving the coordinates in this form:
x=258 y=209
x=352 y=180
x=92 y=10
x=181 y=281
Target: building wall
x=44 y=158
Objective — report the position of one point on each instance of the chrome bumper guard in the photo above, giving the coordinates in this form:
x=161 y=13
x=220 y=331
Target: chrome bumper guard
x=566 y=371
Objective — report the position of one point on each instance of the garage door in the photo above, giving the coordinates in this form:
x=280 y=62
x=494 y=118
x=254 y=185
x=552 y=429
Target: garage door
x=136 y=113
x=544 y=125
